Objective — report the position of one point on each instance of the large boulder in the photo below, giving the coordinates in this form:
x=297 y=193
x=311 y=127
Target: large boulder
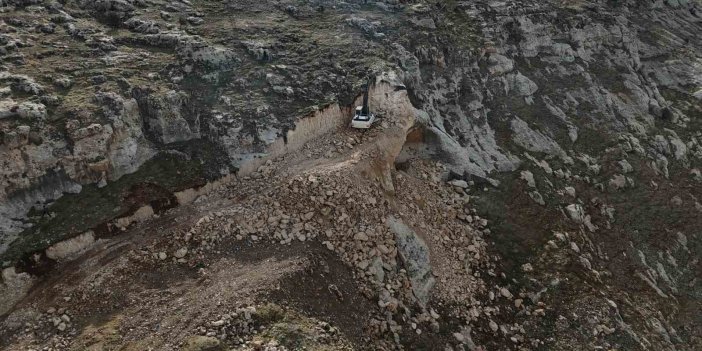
x=163 y=116
x=112 y=11
x=414 y=253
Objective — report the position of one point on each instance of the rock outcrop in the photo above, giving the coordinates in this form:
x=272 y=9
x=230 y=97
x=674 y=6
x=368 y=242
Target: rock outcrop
x=572 y=126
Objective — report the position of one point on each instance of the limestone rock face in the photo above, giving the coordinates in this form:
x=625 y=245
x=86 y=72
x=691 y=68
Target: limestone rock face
x=164 y=119
x=30 y=110
x=520 y=85
x=567 y=133
x=128 y=147
x=111 y=9
x=532 y=140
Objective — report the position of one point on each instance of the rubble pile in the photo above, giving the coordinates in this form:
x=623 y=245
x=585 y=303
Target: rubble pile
x=169 y=170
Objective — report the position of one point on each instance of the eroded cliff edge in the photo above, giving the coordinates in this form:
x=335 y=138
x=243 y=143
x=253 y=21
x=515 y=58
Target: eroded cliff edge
x=574 y=125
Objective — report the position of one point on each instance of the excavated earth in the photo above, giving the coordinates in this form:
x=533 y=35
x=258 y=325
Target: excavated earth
x=181 y=175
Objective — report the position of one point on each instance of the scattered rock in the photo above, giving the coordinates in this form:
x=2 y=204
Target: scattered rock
x=529 y=177
x=201 y=343
x=505 y=293
x=181 y=253
x=459 y=183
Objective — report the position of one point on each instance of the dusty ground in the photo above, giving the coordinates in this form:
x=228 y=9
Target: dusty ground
x=234 y=257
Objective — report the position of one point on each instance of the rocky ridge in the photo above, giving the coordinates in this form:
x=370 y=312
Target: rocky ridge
x=573 y=126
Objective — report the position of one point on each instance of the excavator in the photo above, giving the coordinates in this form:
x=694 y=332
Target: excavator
x=363 y=118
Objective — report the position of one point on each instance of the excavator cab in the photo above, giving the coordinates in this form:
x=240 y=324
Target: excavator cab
x=363 y=118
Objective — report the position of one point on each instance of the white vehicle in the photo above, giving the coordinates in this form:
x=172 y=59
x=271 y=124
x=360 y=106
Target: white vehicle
x=363 y=118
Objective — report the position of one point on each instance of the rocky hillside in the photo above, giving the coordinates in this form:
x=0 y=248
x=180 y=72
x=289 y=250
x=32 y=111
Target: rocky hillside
x=180 y=175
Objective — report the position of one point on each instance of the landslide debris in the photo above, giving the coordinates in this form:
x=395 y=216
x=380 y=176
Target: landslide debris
x=176 y=172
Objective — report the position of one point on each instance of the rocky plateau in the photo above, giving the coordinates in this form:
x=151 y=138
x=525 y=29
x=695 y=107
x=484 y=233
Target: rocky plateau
x=182 y=175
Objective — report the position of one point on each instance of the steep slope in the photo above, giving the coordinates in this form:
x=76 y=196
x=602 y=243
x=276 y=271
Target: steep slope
x=534 y=181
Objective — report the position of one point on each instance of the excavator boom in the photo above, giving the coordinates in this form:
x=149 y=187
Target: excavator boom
x=363 y=118
x=366 y=109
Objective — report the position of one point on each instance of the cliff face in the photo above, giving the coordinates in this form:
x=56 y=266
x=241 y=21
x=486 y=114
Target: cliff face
x=587 y=114
x=575 y=126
